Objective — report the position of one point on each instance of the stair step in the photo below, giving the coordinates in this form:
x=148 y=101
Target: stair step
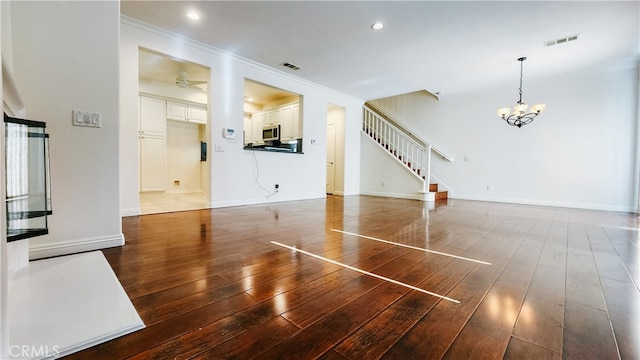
x=439 y=196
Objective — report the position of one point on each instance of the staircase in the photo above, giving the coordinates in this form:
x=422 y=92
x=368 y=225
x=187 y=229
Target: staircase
x=407 y=148
x=439 y=195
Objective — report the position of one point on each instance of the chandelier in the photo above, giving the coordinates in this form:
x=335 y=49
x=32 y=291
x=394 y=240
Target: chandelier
x=520 y=116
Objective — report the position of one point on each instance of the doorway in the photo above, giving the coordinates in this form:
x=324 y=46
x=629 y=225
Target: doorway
x=172 y=133
x=335 y=150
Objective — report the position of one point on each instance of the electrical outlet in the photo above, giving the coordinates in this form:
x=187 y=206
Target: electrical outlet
x=277 y=186
x=489 y=187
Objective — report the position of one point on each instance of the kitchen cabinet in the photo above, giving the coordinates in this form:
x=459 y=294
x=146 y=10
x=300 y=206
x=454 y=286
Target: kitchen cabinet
x=152 y=116
x=152 y=163
x=186 y=112
x=152 y=138
x=197 y=114
x=257 y=122
x=289 y=118
x=271 y=117
x=297 y=129
x=247 y=128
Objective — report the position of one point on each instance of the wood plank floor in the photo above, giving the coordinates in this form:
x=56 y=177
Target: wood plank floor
x=210 y=284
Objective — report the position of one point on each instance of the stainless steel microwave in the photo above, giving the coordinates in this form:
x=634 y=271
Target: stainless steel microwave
x=271 y=132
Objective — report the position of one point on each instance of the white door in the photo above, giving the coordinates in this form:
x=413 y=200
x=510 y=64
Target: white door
x=331 y=157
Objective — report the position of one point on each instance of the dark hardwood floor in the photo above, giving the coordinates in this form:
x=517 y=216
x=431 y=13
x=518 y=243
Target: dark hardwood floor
x=210 y=284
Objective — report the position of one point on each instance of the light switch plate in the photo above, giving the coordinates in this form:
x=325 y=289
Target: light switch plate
x=86 y=119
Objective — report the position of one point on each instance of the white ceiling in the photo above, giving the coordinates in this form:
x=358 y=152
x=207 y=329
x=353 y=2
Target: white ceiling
x=159 y=67
x=438 y=46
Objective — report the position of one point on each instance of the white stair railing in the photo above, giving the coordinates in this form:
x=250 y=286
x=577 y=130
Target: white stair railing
x=416 y=157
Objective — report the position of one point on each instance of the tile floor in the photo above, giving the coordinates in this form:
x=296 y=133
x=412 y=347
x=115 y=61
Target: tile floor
x=48 y=293
x=159 y=202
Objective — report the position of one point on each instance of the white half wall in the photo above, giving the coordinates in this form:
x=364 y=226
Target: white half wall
x=65 y=57
x=234 y=170
x=580 y=152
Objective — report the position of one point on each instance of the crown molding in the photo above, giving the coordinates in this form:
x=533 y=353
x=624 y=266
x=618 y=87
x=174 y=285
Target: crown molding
x=169 y=35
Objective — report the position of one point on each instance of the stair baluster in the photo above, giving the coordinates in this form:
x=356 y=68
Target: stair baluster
x=416 y=157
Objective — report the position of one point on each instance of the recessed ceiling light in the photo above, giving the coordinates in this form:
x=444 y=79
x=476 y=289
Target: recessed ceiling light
x=193 y=15
x=377 y=26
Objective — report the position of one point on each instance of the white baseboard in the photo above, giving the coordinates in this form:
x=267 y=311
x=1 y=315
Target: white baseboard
x=415 y=196
x=559 y=204
x=186 y=191
x=130 y=212
x=273 y=199
x=39 y=251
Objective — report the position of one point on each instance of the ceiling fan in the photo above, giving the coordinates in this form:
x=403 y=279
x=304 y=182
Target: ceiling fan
x=182 y=81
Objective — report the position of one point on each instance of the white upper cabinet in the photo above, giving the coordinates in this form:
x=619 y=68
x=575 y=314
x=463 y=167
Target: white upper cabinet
x=176 y=111
x=271 y=117
x=197 y=114
x=287 y=116
x=290 y=122
x=186 y=112
x=257 y=122
x=286 y=123
x=297 y=129
x=152 y=116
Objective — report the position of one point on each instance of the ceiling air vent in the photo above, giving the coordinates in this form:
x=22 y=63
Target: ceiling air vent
x=561 y=40
x=290 y=66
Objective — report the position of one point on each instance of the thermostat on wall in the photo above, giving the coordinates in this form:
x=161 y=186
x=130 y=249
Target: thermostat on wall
x=229 y=133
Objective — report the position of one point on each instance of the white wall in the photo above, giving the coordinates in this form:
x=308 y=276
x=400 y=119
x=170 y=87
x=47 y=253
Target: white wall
x=183 y=157
x=65 y=57
x=580 y=152
x=383 y=175
x=233 y=171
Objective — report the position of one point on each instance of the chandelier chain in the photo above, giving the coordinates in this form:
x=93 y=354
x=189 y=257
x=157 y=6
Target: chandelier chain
x=520 y=116
x=521 y=61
